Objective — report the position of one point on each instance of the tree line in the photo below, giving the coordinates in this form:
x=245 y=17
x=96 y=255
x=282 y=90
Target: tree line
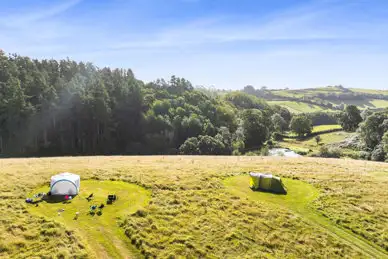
x=63 y=107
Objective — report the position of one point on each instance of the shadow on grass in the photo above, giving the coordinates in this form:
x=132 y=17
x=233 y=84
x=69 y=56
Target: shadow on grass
x=56 y=198
x=269 y=192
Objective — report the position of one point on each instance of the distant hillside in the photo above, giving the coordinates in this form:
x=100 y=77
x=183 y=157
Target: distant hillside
x=330 y=98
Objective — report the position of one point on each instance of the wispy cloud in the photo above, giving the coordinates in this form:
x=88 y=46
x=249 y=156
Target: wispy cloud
x=328 y=38
x=312 y=22
x=37 y=30
x=27 y=18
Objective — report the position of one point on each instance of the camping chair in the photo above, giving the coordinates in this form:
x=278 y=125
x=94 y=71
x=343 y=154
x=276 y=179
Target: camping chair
x=111 y=198
x=92 y=210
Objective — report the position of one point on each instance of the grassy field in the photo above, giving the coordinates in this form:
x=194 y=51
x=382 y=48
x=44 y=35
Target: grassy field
x=299 y=93
x=369 y=91
x=288 y=93
x=194 y=211
x=326 y=127
x=101 y=232
x=364 y=104
x=310 y=144
x=313 y=91
x=299 y=107
x=379 y=103
x=317 y=129
x=299 y=198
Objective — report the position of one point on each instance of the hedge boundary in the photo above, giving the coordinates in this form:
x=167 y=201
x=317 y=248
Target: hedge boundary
x=313 y=134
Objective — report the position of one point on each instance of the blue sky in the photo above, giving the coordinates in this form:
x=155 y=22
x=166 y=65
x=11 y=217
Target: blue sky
x=222 y=43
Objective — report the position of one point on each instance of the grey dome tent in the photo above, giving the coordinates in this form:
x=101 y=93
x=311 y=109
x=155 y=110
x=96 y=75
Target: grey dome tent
x=266 y=182
x=65 y=184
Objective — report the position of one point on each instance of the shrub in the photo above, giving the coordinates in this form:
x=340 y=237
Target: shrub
x=301 y=152
x=323 y=118
x=236 y=152
x=253 y=153
x=210 y=146
x=203 y=145
x=277 y=136
x=238 y=145
x=385 y=142
x=332 y=152
x=264 y=151
x=365 y=155
x=378 y=153
x=313 y=154
x=352 y=154
x=189 y=147
x=318 y=139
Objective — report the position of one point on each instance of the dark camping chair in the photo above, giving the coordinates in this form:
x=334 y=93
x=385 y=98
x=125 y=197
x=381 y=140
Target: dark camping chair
x=111 y=198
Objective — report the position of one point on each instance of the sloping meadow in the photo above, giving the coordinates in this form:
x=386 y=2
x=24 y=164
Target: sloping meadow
x=191 y=213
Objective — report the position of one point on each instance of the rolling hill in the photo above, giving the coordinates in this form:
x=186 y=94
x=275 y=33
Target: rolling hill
x=330 y=98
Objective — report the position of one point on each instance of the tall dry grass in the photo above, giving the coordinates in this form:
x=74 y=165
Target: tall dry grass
x=192 y=215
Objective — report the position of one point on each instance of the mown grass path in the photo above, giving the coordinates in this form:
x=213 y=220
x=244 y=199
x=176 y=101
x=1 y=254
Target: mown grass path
x=104 y=237
x=298 y=199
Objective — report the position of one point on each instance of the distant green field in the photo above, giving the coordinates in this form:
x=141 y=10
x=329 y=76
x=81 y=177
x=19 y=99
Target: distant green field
x=379 y=103
x=363 y=104
x=311 y=144
x=369 y=91
x=317 y=129
x=298 y=93
x=326 y=127
x=299 y=107
x=327 y=89
x=288 y=93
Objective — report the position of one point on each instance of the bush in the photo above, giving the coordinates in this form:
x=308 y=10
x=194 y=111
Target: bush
x=323 y=118
x=251 y=153
x=189 y=147
x=332 y=152
x=301 y=152
x=318 y=139
x=313 y=154
x=277 y=136
x=236 y=152
x=378 y=153
x=365 y=155
x=211 y=146
x=264 y=151
x=352 y=154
